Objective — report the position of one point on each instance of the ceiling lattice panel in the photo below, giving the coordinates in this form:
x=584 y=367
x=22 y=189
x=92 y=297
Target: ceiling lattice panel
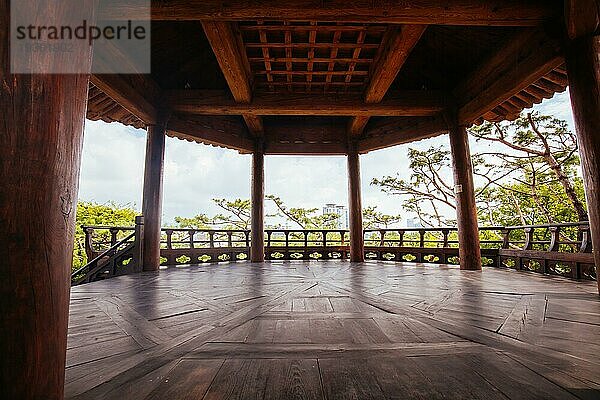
x=311 y=56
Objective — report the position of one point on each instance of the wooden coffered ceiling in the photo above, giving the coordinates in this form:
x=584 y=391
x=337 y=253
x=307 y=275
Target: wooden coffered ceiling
x=307 y=77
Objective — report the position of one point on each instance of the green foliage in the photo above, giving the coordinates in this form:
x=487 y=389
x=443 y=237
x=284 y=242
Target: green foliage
x=373 y=219
x=530 y=176
x=305 y=218
x=427 y=188
x=200 y=221
x=512 y=205
x=237 y=214
x=91 y=213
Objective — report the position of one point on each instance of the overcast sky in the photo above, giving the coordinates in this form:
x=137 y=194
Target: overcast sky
x=113 y=163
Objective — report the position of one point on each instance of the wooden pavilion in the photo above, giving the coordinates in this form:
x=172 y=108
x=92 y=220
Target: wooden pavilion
x=290 y=77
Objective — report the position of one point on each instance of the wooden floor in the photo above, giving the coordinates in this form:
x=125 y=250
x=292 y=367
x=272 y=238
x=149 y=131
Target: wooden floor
x=333 y=330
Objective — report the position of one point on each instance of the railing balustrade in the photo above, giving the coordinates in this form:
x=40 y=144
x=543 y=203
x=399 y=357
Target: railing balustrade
x=556 y=249
x=112 y=251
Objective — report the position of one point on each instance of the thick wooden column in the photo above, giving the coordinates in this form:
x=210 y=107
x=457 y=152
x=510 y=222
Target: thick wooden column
x=41 y=133
x=257 y=244
x=583 y=68
x=466 y=210
x=357 y=245
x=152 y=200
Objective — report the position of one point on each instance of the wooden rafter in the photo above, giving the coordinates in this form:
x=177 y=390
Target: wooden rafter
x=312 y=38
x=311 y=27
x=316 y=60
x=439 y=12
x=290 y=51
x=520 y=64
x=126 y=95
x=350 y=72
x=544 y=88
x=265 y=52
x=336 y=44
x=395 y=48
x=215 y=102
x=333 y=54
x=227 y=47
x=288 y=54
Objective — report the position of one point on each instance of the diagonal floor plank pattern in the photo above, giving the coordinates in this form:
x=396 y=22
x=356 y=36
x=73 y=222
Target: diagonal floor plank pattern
x=333 y=330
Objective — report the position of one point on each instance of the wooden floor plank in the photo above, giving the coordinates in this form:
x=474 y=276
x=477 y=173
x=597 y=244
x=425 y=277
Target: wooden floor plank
x=266 y=379
x=333 y=330
x=189 y=380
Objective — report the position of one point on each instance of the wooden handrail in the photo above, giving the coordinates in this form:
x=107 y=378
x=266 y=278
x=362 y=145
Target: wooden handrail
x=87 y=269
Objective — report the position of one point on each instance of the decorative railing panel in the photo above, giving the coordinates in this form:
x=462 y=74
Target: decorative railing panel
x=556 y=249
x=306 y=244
x=191 y=246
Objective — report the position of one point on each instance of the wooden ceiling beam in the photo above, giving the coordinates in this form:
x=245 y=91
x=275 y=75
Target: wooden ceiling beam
x=396 y=46
x=305 y=135
x=215 y=102
x=516 y=66
x=227 y=46
x=223 y=131
x=305 y=149
x=439 y=12
x=394 y=131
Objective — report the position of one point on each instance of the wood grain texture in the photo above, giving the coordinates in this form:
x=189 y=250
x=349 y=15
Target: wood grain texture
x=257 y=244
x=335 y=330
x=129 y=97
x=486 y=12
x=224 y=43
x=396 y=46
x=216 y=102
x=466 y=208
x=41 y=136
x=228 y=47
x=357 y=245
x=519 y=64
x=152 y=195
x=582 y=17
x=305 y=135
x=583 y=67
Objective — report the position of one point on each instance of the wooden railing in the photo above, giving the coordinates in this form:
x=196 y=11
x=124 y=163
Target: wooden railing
x=313 y=244
x=557 y=249
x=117 y=251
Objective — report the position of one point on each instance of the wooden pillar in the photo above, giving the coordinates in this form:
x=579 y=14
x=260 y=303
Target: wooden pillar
x=357 y=245
x=583 y=68
x=257 y=249
x=466 y=210
x=152 y=200
x=41 y=134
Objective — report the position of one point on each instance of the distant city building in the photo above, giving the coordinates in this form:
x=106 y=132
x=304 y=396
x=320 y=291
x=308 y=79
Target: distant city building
x=341 y=211
x=413 y=223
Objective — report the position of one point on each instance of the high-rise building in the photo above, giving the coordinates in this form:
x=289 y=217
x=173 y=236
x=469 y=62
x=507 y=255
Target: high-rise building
x=341 y=211
x=413 y=223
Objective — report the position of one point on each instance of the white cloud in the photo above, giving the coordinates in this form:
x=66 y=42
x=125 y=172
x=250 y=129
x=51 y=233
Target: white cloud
x=112 y=163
